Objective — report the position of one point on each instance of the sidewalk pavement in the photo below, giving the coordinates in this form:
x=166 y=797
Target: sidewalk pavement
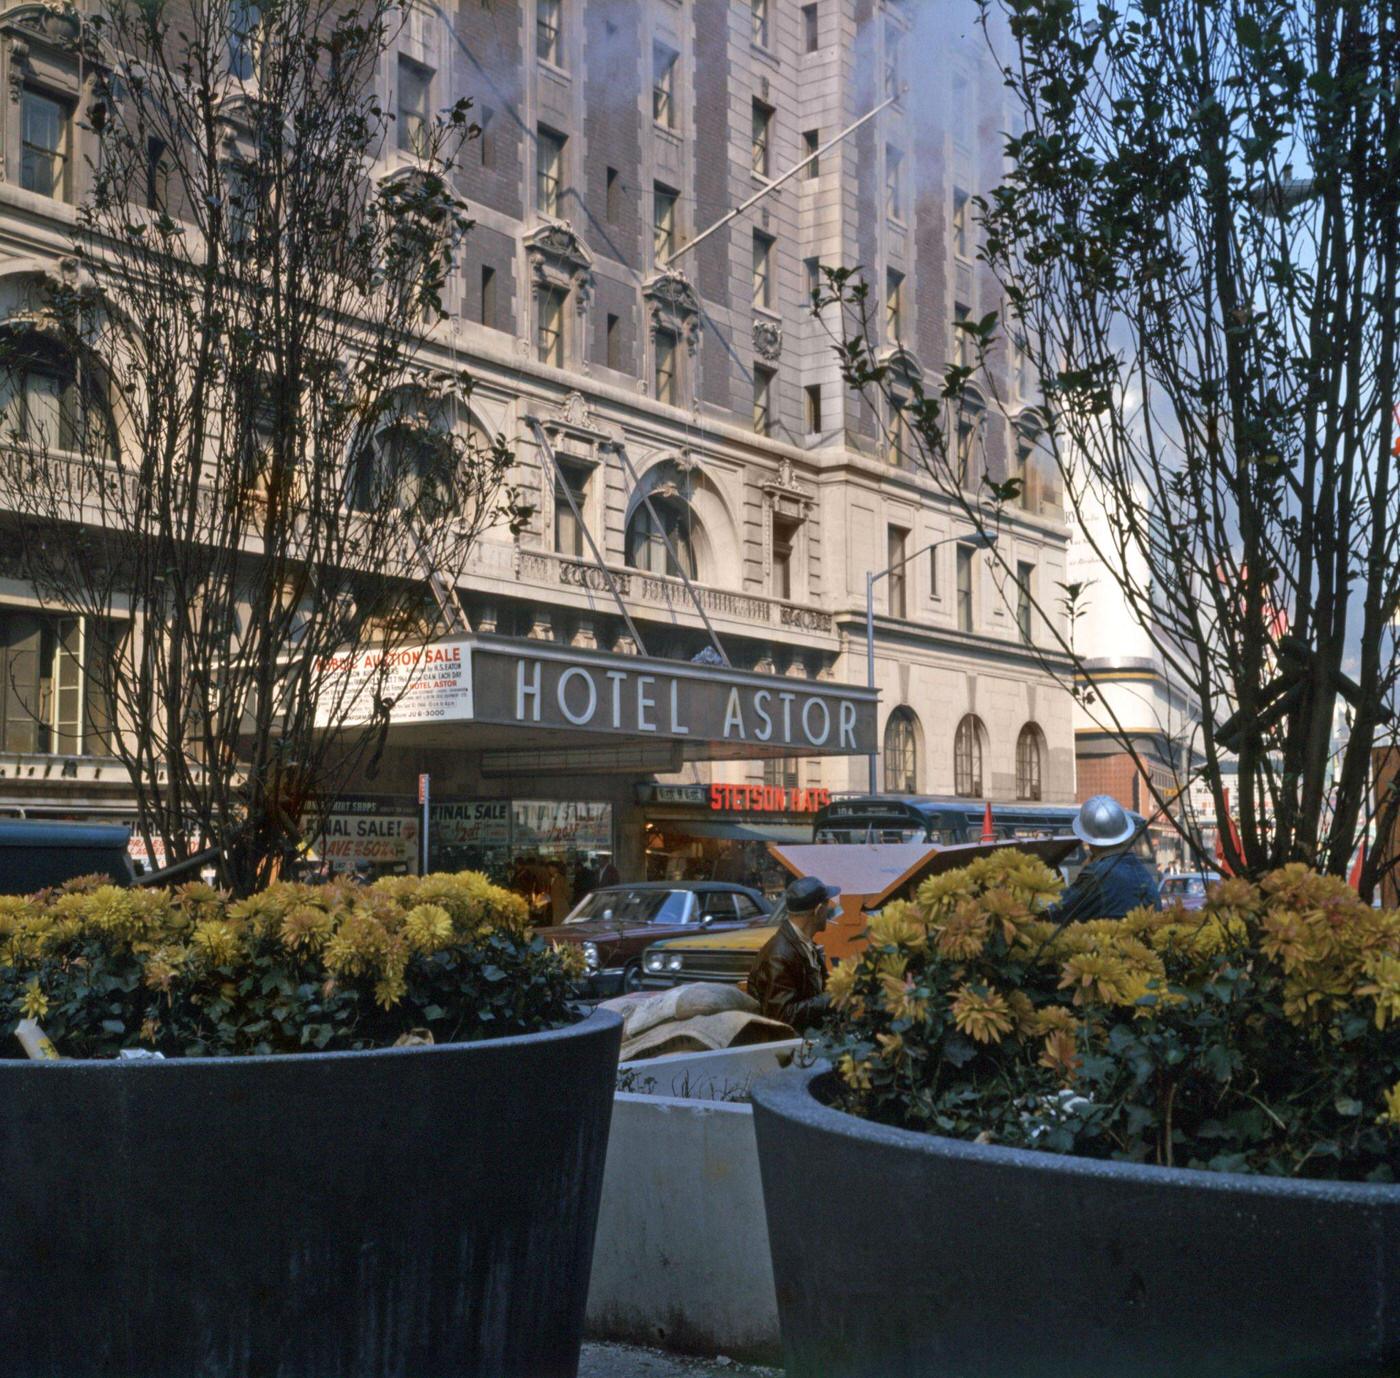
x=629 y=1361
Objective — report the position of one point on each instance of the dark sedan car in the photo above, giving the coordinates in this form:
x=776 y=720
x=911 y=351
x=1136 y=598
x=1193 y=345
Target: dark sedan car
x=614 y=925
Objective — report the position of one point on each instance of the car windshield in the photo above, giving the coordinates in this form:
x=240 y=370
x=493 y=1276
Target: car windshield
x=627 y=906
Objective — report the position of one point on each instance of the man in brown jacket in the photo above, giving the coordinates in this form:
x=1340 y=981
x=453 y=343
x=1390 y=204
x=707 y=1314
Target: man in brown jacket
x=788 y=977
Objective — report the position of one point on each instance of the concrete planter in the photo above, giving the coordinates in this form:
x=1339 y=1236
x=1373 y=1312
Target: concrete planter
x=945 y=1259
x=417 y=1211
x=682 y=1254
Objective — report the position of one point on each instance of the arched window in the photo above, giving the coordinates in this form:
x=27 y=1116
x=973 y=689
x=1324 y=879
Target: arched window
x=48 y=402
x=968 y=745
x=646 y=544
x=901 y=753
x=1030 y=758
x=416 y=464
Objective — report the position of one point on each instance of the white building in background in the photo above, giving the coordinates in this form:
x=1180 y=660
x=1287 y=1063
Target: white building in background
x=614 y=133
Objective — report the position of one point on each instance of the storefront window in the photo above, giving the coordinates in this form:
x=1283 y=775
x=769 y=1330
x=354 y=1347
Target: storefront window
x=560 y=849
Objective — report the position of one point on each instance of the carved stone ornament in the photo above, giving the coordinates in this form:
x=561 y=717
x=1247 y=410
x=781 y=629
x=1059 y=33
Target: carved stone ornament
x=52 y=26
x=768 y=340
x=559 y=258
x=673 y=305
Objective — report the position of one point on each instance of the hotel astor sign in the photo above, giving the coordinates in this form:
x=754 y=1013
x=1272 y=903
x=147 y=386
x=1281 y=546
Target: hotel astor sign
x=541 y=685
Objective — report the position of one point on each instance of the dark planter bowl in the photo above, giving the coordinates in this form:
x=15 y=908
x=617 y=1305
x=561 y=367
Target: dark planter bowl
x=406 y=1213
x=904 y=1255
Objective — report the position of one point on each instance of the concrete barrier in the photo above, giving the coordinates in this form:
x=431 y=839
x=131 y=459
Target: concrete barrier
x=681 y=1258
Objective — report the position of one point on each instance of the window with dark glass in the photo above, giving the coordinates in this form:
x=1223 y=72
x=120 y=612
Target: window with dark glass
x=781 y=772
x=549 y=329
x=901 y=753
x=44 y=138
x=762 y=137
x=966 y=450
x=966 y=556
x=759 y=13
x=893 y=67
x=967 y=757
x=548 y=39
x=1025 y=468
x=570 y=480
x=414 y=114
x=763 y=400
x=962 y=339
x=244 y=21
x=894 y=183
x=962 y=240
x=784 y=546
x=612 y=196
x=157 y=174
x=663 y=85
x=45 y=403
x=812 y=270
x=1025 y=578
x=664 y=228
x=813 y=395
x=762 y=269
x=50 y=700
x=549 y=171
x=811 y=29
x=1030 y=754
x=647 y=538
x=665 y=379
x=488 y=297
x=896 y=552
x=894 y=305
x=614 y=342
x=811 y=142
x=486 y=140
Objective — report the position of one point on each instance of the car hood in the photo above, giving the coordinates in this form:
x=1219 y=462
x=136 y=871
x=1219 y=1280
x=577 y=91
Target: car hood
x=731 y=940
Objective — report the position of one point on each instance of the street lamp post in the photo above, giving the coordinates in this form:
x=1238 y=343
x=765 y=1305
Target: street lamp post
x=978 y=540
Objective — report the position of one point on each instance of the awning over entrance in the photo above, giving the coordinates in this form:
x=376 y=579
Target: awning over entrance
x=744 y=832
x=503 y=693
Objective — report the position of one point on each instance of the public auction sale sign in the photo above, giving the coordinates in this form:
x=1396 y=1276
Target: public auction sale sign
x=417 y=684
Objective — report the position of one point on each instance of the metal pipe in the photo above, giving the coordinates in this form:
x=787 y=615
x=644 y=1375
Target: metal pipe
x=788 y=175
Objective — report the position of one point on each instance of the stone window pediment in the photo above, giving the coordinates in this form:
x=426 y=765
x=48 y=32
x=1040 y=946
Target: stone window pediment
x=672 y=304
x=559 y=259
x=903 y=364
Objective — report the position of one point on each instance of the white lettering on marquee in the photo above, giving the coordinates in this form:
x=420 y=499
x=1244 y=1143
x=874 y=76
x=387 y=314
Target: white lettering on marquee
x=848 y=724
x=734 y=717
x=645 y=701
x=787 y=715
x=760 y=707
x=578 y=719
x=524 y=691
x=807 y=724
x=676 y=728
x=617 y=676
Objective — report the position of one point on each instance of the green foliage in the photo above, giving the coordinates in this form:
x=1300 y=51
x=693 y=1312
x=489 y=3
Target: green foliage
x=190 y=972
x=1256 y=1035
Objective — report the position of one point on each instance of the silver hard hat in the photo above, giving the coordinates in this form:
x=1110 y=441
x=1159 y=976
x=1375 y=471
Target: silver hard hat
x=1103 y=822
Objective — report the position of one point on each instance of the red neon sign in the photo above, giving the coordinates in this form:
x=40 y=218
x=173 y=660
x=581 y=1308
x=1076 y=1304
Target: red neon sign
x=768 y=798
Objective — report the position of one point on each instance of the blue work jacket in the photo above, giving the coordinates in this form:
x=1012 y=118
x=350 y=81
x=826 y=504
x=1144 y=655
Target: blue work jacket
x=1107 y=888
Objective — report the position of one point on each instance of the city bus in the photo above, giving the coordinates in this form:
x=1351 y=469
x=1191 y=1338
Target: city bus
x=947 y=822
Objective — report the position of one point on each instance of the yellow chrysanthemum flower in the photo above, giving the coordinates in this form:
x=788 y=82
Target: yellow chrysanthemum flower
x=1094 y=976
x=855 y=1074
x=1061 y=1055
x=901 y=1000
x=1391 y=1113
x=216 y=942
x=896 y=925
x=963 y=935
x=1383 y=986
x=841 y=983
x=306 y=928
x=428 y=928
x=34 y=1004
x=891 y=1045
x=983 y=1015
